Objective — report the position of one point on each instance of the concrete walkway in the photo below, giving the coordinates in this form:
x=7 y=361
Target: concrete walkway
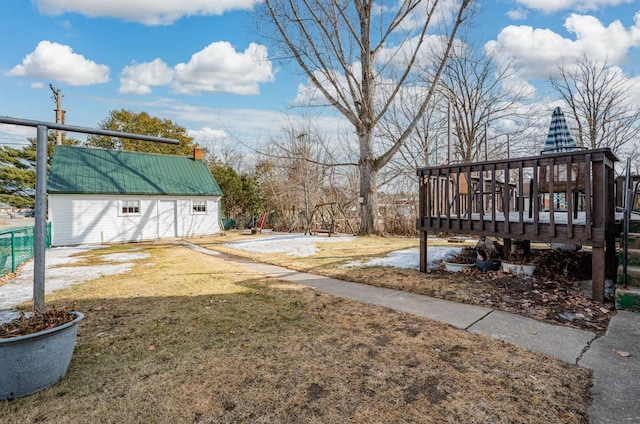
x=614 y=358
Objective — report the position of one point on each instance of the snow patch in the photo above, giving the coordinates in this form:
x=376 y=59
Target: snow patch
x=292 y=245
x=58 y=276
x=409 y=258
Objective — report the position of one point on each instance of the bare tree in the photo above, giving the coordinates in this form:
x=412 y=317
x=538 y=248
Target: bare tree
x=474 y=88
x=423 y=147
x=598 y=96
x=464 y=120
x=359 y=54
x=297 y=172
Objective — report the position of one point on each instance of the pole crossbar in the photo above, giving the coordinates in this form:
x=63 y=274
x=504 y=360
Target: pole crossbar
x=40 y=225
x=84 y=130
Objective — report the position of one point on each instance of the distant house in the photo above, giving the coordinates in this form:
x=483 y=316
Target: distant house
x=106 y=196
x=6 y=209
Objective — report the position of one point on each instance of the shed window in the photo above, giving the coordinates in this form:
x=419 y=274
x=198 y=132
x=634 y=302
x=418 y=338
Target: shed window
x=130 y=207
x=199 y=206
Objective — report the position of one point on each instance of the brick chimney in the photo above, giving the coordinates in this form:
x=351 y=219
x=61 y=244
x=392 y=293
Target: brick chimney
x=198 y=153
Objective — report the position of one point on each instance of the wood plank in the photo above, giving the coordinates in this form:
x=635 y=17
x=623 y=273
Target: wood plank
x=597 y=273
x=423 y=251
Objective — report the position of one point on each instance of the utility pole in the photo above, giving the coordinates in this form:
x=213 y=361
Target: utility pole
x=449 y=131
x=57 y=97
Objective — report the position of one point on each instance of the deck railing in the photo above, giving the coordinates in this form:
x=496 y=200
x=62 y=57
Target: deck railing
x=561 y=197
x=566 y=198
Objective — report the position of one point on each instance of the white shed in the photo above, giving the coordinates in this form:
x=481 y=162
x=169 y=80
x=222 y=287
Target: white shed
x=106 y=196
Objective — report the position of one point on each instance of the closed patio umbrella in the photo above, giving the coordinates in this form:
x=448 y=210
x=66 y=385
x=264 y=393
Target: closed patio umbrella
x=559 y=138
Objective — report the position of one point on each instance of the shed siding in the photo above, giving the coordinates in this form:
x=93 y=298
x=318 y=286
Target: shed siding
x=94 y=219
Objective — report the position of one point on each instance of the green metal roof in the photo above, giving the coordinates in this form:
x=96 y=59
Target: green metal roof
x=81 y=170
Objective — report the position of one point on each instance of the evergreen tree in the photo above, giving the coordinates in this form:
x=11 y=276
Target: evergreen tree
x=18 y=170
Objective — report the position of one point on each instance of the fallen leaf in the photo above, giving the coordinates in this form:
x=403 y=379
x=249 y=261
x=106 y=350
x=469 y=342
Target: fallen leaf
x=534 y=333
x=152 y=347
x=622 y=353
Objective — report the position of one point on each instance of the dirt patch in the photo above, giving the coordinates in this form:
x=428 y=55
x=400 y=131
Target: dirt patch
x=555 y=293
x=551 y=300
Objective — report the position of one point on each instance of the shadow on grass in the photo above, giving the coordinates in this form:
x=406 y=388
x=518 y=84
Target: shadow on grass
x=280 y=353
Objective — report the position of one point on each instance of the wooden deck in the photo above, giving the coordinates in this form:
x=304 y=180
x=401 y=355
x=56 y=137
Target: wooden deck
x=564 y=198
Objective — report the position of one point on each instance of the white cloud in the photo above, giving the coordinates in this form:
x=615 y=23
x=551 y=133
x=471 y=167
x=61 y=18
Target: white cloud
x=390 y=62
x=148 y=12
x=399 y=56
x=634 y=92
x=207 y=135
x=309 y=95
x=215 y=141
x=37 y=85
x=244 y=124
x=539 y=52
x=549 y=6
x=219 y=68
x=139 y=78
x=216 y=68
x=58 y=62
x=14 y=134
x=517 y=14
x=244 y=129
x=444 y=14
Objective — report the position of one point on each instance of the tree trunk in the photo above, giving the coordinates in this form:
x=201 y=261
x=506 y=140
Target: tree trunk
x=369 y=193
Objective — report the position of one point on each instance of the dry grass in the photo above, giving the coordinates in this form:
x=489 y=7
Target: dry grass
x=185 y=337
x=545 y=301
x=328 y=258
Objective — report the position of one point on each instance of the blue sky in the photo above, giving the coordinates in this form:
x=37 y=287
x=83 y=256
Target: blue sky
x=196 y=61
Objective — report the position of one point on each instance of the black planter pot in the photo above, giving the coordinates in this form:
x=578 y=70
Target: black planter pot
x=488 y=265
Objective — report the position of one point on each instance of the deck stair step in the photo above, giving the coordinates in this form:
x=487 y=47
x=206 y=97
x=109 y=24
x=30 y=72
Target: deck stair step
x=633 y=257
x=634 y=225
x=634 y=241
x=633 y=276
x=628 y=299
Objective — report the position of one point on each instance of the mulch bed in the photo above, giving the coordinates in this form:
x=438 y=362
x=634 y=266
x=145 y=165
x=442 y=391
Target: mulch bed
x=553 y=294
x=35 y=322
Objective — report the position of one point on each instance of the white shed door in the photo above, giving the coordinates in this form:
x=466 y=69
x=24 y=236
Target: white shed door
x=167 y=213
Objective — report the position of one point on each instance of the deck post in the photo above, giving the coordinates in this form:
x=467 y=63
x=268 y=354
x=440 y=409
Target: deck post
x=611 y=257
x=598 y=261
x=424 y=209
x=597 y=273
x=423 y=251
x=506 y=249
